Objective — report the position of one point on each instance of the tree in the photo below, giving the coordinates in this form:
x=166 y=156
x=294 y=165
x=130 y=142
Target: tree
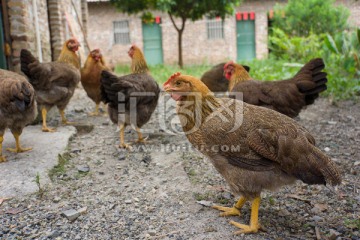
x=183 y=9
x=305 y=16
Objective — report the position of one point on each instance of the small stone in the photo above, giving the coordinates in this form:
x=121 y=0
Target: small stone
x=121 y=157
x=332 y=122
x=54 y=234
x=152 y=232
x=334 y=232
x=71 y=214
x=56 y=199
x=327 y=149
x=205 y=203
x=317 y=218
x=357 y=163
x=128 y=201
x=136 y=200
x=82 y=210
x=83 y=168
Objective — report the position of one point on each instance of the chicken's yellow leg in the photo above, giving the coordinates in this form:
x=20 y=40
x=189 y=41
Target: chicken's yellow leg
x=44 y=125
x=234 y=211
x=122 y=137
x=63 y=118
x=18 y=148
x=2 y=158
x=141 y=139
x=96 y=112
x=254 y=219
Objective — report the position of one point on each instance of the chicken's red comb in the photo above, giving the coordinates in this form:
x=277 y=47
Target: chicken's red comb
x=227 y=64
x=175 y=75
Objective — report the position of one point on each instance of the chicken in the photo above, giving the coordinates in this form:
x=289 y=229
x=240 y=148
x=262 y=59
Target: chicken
x=54 y=82
x=90 y=77
x=288 y=97
x=136 y=94
x=214 y=78
x=17 y=107
x=253 y=148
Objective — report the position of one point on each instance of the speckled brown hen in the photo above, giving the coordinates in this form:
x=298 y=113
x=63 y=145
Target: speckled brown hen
x=90 y=77
x=139 y=87
x=17 y=107
x=288 y=97
x=253 y=148
x=54 y=82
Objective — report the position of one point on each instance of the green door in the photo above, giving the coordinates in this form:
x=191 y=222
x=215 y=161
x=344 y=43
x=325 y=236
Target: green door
x=152 y=43
x=245 y=37
x=2 y=44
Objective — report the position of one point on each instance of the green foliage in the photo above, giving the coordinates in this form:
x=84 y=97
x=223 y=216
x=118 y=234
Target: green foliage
x=187 y=9
x=340 y=52
x=303 y=17
x=294 y=48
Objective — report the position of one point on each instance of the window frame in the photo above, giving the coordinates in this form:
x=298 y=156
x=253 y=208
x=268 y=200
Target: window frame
x=215 y=29
x=121 y=32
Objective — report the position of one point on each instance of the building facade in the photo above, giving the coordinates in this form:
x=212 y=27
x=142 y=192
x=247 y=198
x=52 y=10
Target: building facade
x=241 y=36
x=41 y=26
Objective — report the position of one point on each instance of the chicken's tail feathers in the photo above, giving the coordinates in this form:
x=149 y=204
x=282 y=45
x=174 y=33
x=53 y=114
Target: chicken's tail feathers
x=311 y=80
x=26 y=58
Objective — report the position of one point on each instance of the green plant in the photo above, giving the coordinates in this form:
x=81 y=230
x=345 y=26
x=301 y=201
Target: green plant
x=283 y=46
x=59 y=169
x=38 y=184
x=303 y=17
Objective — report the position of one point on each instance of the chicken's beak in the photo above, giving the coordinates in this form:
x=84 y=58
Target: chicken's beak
x=167 y=88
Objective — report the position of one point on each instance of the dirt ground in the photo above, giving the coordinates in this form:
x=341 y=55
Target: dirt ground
x=163 y=190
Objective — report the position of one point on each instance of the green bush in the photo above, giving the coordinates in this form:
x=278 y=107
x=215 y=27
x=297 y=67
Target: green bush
x=283 y=46
x=303 y=17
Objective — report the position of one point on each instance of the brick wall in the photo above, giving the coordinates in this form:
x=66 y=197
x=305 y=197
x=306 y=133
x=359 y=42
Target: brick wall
x=23 y=29
x=197 y=49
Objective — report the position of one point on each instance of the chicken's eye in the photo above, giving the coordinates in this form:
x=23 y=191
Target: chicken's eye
x=177 y=83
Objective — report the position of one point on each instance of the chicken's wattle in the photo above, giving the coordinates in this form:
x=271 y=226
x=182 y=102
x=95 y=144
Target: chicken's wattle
x=175 y=96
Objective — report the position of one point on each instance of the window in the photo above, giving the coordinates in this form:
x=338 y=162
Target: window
x=121 y=32
x=215 y=28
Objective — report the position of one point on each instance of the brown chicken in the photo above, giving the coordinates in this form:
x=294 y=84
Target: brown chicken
x=214 y=78
x=17 y=107
x=54 y=82
x=288 y=97
x=90 y=77
x=253 y=148
x=120 y=92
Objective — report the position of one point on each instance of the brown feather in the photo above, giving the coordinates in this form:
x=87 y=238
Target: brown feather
x=17 y=102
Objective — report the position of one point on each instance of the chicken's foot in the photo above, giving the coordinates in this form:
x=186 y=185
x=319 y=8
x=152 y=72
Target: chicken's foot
x=122 y=138
x=63 y=118
x=44 y=125
x=254 y=221
x=2 y=158
x=18 y=148
x=141 y=139
x=234 y=211
x=96 y=112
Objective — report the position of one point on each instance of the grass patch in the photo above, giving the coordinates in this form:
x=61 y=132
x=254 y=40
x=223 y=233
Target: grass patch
x=339 y=87
x=352 y=223
x=59 y=169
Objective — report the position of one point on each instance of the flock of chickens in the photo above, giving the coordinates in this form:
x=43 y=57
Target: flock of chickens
x=272 y=149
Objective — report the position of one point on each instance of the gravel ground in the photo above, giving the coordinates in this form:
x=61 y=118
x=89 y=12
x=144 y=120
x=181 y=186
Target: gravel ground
x=162 y=191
